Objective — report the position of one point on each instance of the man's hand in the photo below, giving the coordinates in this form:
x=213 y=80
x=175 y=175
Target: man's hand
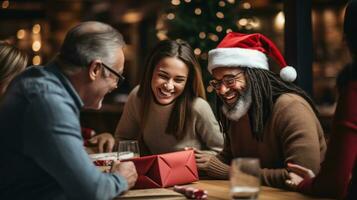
x=127 y=170
x=104 y=141
x=297 y=174
x=202 y=158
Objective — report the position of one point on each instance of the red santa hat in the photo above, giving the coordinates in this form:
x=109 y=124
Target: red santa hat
x=248 y=50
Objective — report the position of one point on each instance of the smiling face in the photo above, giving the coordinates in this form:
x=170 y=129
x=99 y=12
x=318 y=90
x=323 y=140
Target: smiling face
x=168 y=80
x=104 y=83
x=230 y=92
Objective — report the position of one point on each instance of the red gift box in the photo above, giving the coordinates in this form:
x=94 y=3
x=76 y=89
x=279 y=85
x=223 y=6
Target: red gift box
x=165 y=170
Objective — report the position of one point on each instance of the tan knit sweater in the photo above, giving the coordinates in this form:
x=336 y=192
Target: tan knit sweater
x=204 y=133
x=292 y=134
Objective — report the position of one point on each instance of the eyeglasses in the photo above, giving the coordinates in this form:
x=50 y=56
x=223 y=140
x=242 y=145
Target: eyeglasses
x=228 y=81
x=120 y=77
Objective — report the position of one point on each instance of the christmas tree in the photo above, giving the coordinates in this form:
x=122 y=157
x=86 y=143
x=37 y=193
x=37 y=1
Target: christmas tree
x=202 y=23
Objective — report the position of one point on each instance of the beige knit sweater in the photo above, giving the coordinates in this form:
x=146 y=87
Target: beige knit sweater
x=204 y=133
x=292 y=134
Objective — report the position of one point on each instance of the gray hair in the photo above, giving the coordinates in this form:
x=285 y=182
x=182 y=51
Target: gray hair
x=91 y=40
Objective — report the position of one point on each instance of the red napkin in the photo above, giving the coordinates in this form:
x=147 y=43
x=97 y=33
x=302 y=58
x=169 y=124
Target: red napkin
x=165 y=170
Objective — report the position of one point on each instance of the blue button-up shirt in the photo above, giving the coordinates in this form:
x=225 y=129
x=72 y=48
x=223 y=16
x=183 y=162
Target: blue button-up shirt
x=41 y=147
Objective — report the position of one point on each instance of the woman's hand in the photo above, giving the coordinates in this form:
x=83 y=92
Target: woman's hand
x=203 y=158
x=297 y=174
x=104 y=141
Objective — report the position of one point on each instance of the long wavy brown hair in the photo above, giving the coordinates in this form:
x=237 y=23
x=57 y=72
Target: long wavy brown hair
x=181 y=115
x=266 y=87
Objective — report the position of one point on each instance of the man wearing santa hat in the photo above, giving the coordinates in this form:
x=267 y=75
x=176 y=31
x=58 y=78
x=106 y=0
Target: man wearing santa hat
x=264 y=115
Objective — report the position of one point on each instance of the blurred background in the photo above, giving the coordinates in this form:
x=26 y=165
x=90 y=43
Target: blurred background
x=39 y=27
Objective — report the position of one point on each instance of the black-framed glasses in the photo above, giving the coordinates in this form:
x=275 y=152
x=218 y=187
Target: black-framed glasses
x=120 y=77
x=228 y=80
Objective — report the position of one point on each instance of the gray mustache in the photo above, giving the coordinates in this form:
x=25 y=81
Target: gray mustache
x=240 y=94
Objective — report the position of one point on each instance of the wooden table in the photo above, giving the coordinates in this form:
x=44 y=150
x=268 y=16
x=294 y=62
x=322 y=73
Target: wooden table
x=217 y=190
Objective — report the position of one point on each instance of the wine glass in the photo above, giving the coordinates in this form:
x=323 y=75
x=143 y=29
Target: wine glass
x=128 y=149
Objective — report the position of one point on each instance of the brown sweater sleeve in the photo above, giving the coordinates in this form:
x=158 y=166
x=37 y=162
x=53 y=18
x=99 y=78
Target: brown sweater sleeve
x=217 y=169
x=218 y=166
x=300 y=137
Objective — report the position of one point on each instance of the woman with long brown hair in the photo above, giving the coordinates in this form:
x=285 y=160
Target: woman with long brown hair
x=167 y=111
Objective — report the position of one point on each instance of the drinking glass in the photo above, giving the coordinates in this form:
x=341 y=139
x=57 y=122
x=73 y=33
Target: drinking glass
x=128 y=149
x=245 y=178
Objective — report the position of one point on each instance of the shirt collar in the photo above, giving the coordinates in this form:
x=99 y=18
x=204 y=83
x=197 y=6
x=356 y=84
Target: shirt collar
x=53 y=67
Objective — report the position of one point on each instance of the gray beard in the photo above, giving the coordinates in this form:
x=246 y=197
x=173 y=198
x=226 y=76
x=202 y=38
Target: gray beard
x=240 y=108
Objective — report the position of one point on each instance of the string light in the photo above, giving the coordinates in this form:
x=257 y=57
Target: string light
x=213 y=37
x=36 y=46
x=202 y=35
x=255 y=22
x=5 y=4
x=242 y=22
x=219 y=28
x=231 y=1
x=36 y=60
x=161 y=35
x=228 y=30
x=171 y=16
x=222 y=3
x=132 y=17
x=21 y=34
x=187 y=1
x=247 y=5
x=160 y=24
x=198 y=11
x=197 y=51
x=36 y=28
x=175 y=2
x=279 y=21
x=220 y=15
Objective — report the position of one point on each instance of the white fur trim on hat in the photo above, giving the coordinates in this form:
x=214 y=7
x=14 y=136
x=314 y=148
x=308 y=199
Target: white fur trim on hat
x=236 y=57
x=288 y=74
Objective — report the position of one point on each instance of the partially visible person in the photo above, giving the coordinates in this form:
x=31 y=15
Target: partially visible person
x=338 y=175
x=167 y=111
x=12 y=62
x=41 y=147
x=264 y=115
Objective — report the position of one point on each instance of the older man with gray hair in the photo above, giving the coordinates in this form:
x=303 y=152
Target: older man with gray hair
x=40 y=111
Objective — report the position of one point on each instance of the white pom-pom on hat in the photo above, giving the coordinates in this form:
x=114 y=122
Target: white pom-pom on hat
x=288 y=74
